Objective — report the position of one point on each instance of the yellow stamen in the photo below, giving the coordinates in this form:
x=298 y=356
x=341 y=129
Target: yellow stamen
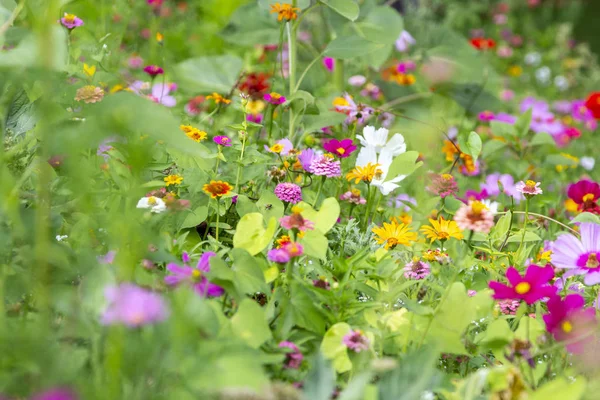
x=523 y=288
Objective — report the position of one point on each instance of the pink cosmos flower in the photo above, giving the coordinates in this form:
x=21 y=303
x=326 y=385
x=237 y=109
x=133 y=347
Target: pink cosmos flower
x=356 y=341
x=293 y=358
x=532 y=287
x=568 y=320
x=404 y=41
x=194 y=276
x=529 y=188
x=284 y=149
x=153 y=70
x=579 y=256
x=486 y=116
x=274 y=98
x=329 y=63
x=133 y=306
x=256 y=118
x=222 y=141
x=288 y=192
x=71 y=21
x=55 y=394
x=341 y=149
x=161 y=94
x=493 y=182
x=507 y=95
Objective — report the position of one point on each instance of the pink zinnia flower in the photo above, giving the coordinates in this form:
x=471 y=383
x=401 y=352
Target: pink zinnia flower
x=194 y=276
x=293 y=358
x=529 y=188
x=222 y=141
x=133 y=306
x=579 y=256
x=509 y=307
x=55 y=394
x=532 y=287
x=274 y=98
x=341 y=149
x=135 y=62
x=325 y=166
x=356 y=341
x=296 y=221
x=279 y=256
x=442 y=185
x=474 y=216
x=406 y=67
x=353 y=196
x=153 y=70
x=288 y=192
x=416 y=269
x=71 y=21
x=329 y=63
x=194 y=106
x=256 y=118
x=486 y=116
x=586 y=194
x=568 y=320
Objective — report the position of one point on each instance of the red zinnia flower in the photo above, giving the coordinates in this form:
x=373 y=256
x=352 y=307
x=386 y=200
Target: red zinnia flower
x=482 y=43
x=532 y=287
x=593 y=104
x=255 y=84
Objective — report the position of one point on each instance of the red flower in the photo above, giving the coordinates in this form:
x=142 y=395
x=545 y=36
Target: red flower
x=255 y=84
x=586 y=194
x=482 y=43
x=593 y=104
x=532 y=287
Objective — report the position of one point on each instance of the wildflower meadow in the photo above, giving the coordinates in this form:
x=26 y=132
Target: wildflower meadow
x=301 y=200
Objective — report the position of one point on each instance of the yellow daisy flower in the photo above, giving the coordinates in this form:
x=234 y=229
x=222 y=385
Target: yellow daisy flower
x=173 y=180
x=393 y=234
x=364 y=174
x=442 y=230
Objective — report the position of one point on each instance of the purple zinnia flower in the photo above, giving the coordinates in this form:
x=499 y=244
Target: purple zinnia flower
x=71 y=21
x=325 y=166
x=55 y=394
x=133 y=306
x=356 y=341
x=288 y=192
x=293 y=358
x=306 y=158
x=416 y=269
x=222 y=141
x=342 y=149
x=579 y=256
x=195 y=276
x=506 y=118
x=279 y=256
x=562 y=106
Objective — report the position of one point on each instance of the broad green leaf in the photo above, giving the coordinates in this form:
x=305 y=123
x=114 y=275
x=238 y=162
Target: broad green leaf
x=250 y=25
x=356 y=387
x=314 y=123
x=502 y=129
x=523 y=123
x=470 y=144
x=529 y=237
x=333 y=347
x=530 y=329
x=501 y=228
x=315 y=244
x=497 y=335
x=492 y=147
x=452 y=204
x=250 y=324
x=404 y=164
x=306 y=311
x=320 y=381
x=249 y=276
x=195 y=217
x=348 y=47
x=250 y=233
x=558 y=159
x=586 y=217
x=270 y=206
x=470 y=96
x=346 y=8
x=326 y=217
x=209 y=74
x=245 y=206
x=382 y=25
x=541 y=139
x=561 y=389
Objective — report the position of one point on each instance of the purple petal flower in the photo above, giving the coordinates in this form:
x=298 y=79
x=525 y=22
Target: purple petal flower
x=194 y=276
x=133 y=306
x=55 y=394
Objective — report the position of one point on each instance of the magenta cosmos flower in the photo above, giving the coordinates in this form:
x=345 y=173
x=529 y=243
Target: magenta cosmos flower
x=293 y=358
x=154 y=70
x=274 y=98
x=222 y=141
x=341 y=149
x=356 y=341
x=586 y=194
x=532 y=287
x=288 y=192
x=194 y=276
x=56 y=394
x=133 y=306
x=71 y=21
x=567 y=320
x=579 y=256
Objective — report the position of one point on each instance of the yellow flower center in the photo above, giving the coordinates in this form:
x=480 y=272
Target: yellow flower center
x=276 y=148
x=588 y=197
x=296 y=210
x=340 y=150
x=447 y=177
x=566 y=326
x=592 y=261
x=443 y=235
x=392 y=242
x=275 y=96
x=523 y=288
x=477 y=207
x=583 y=109
x=70 y=17
x=152 y=200
x=341 y=102
x=530 y=183
x=196 y=273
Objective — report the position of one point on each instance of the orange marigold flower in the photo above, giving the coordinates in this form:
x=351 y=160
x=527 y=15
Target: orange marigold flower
x=284 y=11
x=217 y=189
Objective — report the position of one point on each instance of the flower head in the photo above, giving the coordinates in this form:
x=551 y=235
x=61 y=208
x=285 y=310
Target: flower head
x=133 y=306
x=365 y=173
x=274 y=98
x=356 y=341
x=293 y=357
x=218 y=99
x=442 y=230
x=71 y=21
x=353 y=196
x=342 y=149
x=586 y=195
x=436 y=255
x=481 y=43
x=306 y=158
x=579 y=256
x=217 y=189
x=474 y=216
x=222 y=141
x=416 y=269
x=404 y=41
x=288 y=192
x=282 y=146
x=160 y=94
x=194 y=133
x=286 y=252
x=194 y=106
x=180 y=274
x=173 y=180
x=529 y=188
x=494 y=182
x=284 y=11
x=508 y=306
x=325 y=166
x=255 y=84
x=379 y=140
x=153 y=70
x=592 y=103
x=89 y=94
x=531 y=287
x=155 y=204
x=329 y=63
x=296 y=221
x=567 y=320
x=393 y=234
x=443 y=185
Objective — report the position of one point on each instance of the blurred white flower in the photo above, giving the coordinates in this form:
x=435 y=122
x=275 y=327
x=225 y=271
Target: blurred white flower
x=533 y=58
x=155 y=204
x=378 y=139
x=587 y=163
x=491 y=205
x=60 y=238
x=357 y=80
x=561 y=83
x=542 y=74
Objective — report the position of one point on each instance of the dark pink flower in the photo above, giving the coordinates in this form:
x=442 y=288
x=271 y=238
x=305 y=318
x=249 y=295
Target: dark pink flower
x=586 y=194
x=329 y=63
x=153 y=70
x=356 y=341
x=342 y=149
x=288 y=192
x=222 y=140
x=195 y=276
x=486 y=116
x=532 y=287
x=567 y=320
x=274 y=98
x=293 y=358
x=56 y=394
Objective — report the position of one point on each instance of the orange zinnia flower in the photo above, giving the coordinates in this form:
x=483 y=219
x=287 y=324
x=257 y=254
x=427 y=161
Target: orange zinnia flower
x=217 y=189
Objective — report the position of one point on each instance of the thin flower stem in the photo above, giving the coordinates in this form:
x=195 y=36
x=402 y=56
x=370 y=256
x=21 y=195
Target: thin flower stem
x=218 y=218
x=292 y=54
x=547 y=218
x=319 y=191
x=524 y=225
x=239 y=171
x=317 y=58
x=271 y=123
x=405 y=99
x=366 y=221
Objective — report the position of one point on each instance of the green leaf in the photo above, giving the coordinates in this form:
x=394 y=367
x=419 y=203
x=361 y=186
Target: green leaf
x=523 y=123
x=492 y=147
x=249 y=276
x=314 y=123
x=452 y=204
x=325 y=218
x=250 y=25
x=250 y=233
x=530 y=329
x=348 y=47
x=320 y=381
x=333 y=347
x=557 y=159
x=250 y=324
x=586 y=217
x=502 y=129
x=20 y=117
x=529 y=237
x=346 y=8
x=270 y=206
x=497 y=335
x=245 y=206
x=471 y=144
x=315 y=244
x=500 y=230
x=195 y=218
x=382 y=25
x=306 y=311
x=209 y=74
x=561 y=389
x=541 y=139
x=404 y=164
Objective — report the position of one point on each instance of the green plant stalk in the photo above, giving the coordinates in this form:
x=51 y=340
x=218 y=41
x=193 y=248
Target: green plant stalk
x=271 y=123
x=338 y=75
x=218 y=159
x=366 y=221
x=524 y=225
x=293 y=53
x=319 y=190
x=245 y=136
x=218 y=218
x=545 y=217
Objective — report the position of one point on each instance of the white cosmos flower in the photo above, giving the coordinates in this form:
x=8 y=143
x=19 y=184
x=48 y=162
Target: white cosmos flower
x=368 y=154
x=378 y=139
x=587 y=163
x=491 y=205
x=155 y=204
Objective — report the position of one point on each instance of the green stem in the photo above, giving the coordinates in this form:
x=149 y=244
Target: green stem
x=292 y=51
x=573 y=231
x=271 y=123
x=338 y=75
x=367 y=211
x=218 y=218
x=218 y=159
x=319 y=191
x=317 y=58
x=524 y=225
